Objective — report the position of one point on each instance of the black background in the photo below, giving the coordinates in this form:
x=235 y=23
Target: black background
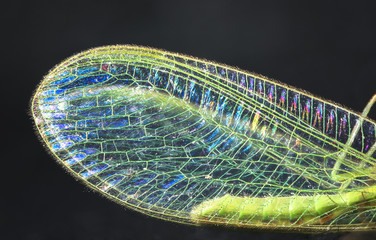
x=325 y=47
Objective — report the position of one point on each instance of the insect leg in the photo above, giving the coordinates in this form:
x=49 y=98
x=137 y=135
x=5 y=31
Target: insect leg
x=373 y=148
x=351 y=138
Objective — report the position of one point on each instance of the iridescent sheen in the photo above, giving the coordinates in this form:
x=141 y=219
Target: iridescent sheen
x=163 y=133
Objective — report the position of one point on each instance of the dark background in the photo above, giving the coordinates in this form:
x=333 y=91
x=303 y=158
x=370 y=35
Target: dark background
x=325 y=47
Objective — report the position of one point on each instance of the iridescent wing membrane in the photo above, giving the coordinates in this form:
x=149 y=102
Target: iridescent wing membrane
x=197 y=142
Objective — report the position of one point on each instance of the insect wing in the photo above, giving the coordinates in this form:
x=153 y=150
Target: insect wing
x=164 y=133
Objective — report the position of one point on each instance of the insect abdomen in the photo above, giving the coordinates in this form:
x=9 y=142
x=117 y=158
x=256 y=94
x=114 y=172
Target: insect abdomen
x=312 y=209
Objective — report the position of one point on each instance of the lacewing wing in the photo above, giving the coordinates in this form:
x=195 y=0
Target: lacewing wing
x=197 y=142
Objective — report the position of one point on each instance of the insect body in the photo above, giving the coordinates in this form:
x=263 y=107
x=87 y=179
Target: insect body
x=198 y=142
